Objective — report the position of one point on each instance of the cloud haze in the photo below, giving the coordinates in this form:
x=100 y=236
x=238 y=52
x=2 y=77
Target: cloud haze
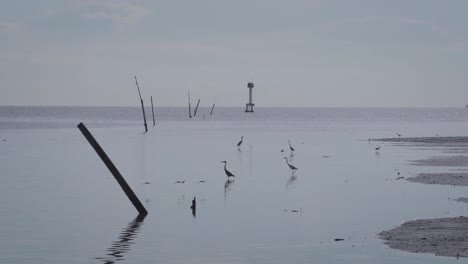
x=299 y=53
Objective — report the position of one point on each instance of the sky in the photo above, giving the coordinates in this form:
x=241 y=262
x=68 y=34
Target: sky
x=304 y=53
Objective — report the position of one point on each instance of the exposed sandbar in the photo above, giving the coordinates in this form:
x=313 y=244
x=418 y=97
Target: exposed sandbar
x=442 y=236
x=447 y=161
x=430 y=140
x=458 y=179
x=462 y=199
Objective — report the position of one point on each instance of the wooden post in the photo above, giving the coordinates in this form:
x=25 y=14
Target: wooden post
x=142 y=105
x=211 y=113
x=196 y=108
x=125 y=187
x=189 y=109
x=152 y=108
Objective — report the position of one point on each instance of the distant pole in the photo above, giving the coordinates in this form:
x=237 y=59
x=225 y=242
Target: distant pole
x=189 y=109
x=152 y=108
x=196 y=108
x=142 y=105
x=125 y=187
x=211 y=113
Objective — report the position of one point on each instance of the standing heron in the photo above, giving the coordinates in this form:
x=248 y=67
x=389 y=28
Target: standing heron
x=290 y=147
x=240 y=142
x=293 y=169
x=228 y=173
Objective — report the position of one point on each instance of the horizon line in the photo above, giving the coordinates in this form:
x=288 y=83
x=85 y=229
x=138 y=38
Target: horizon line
x=129 y=106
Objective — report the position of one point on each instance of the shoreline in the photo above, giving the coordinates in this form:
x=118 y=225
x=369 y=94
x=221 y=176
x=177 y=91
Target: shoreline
x=440 y=236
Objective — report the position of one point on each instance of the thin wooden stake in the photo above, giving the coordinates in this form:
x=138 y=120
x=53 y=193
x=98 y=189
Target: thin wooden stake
x=125 y=187
x=152 y=108
x=196 y=108
x=211 y=113
x=142 y=105
x=189 y=109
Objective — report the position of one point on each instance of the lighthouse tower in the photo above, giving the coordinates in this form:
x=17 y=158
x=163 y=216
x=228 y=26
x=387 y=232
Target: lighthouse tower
x=249 y=105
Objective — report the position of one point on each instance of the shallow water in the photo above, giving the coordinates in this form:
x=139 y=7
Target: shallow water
x=61 y=204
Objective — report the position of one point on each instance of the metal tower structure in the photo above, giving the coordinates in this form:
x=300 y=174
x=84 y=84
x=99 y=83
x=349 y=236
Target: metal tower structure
x=249 y=105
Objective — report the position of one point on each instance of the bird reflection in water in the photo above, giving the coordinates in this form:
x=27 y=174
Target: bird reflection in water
x=227 y=188
x=291 y=181
x=122 y=245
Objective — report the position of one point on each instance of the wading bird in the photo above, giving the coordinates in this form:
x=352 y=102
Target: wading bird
x=290 y=147
x=228 y=173
x=240 y=142
x=293 y=169
x=377 y=149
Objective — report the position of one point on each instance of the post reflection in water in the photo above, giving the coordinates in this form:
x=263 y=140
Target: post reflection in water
x=227 y=188
x=122 y=245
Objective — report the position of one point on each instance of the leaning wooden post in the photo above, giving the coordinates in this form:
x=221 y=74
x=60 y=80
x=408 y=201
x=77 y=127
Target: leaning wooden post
x=152 y=108
x=142 y=105
x=196 y=108
x=211 y=113
x=125 y=187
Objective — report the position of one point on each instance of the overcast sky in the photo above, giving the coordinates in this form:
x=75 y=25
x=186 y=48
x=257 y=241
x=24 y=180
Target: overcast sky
x=394 y=53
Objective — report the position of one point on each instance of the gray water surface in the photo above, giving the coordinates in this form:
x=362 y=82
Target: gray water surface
x=62 y=205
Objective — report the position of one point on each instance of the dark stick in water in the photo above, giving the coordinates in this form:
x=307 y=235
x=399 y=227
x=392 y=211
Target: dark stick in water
x=152 y=108
x=211 y=113
x=189 y=109
x=196 y=108
x=142 y=105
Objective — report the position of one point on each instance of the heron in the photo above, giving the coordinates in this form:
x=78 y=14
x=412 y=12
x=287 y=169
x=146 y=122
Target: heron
x=240 y=142
x=293 y=169
x=228 y=173
x=290 y=147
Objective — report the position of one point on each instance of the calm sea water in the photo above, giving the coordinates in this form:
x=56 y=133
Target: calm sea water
x=61 y=204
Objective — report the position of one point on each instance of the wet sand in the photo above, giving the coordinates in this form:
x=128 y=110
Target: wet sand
x=446 y=161
x=440 y=236
x=446 y=141
x=456 y=179
x=462 y=200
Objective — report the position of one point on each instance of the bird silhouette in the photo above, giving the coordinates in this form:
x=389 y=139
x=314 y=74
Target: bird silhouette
x=228 y=173
x=293 y=168
x=240 y=142
x=290 y=147
x=398 y=134
x=377 y=149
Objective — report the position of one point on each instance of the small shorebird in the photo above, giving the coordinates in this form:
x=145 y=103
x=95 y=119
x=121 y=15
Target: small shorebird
x=293 y=169
x=240 y=142
x=290 y=147
x=228 y=173
x=399 y=135
x=377 y=149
